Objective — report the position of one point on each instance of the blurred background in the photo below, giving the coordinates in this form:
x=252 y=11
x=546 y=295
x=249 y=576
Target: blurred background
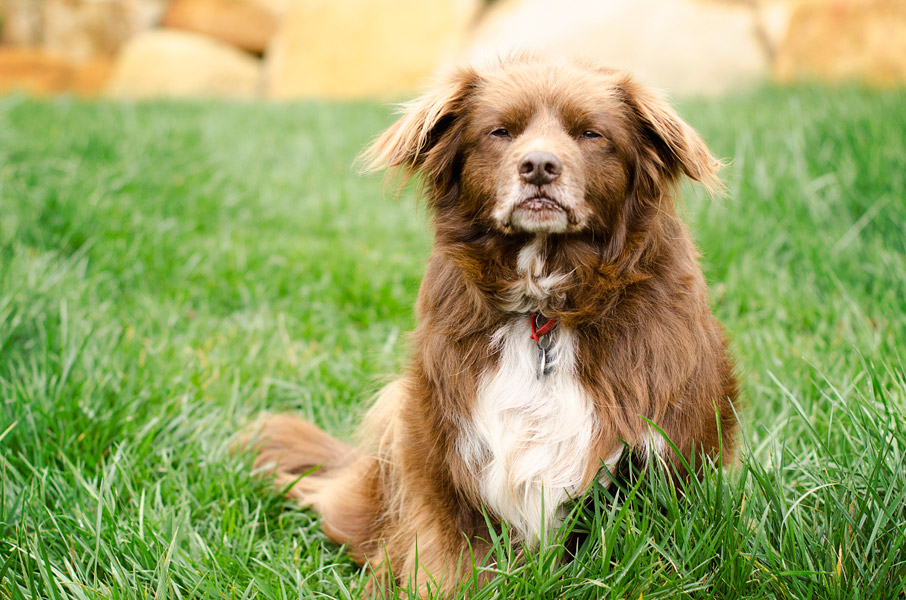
x=345 y=49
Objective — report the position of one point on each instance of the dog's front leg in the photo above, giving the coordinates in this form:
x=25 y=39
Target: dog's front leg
x=438 y=541
x=442 y=558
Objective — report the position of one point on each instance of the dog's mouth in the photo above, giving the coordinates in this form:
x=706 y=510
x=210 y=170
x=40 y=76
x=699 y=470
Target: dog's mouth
x=540 y=213
x=539 y=210
x=541 y=204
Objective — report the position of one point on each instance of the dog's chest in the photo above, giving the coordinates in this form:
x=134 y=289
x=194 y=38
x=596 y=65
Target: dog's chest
x=530 y=438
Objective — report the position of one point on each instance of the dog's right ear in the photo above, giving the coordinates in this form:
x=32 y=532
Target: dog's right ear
x=426 y=137
x=672 y=147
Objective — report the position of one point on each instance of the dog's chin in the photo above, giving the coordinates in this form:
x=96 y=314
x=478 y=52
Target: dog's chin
x=539 y=214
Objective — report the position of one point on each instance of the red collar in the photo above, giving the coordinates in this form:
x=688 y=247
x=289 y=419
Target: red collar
x=540 y=332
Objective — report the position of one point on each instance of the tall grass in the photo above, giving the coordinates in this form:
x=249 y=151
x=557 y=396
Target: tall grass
x=169 y=270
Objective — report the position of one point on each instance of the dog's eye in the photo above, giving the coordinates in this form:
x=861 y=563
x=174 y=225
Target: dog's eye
x=501 y=133
x=590 y=134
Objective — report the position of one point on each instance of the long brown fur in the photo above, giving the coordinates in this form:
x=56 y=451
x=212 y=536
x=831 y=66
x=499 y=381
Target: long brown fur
x=648 y=348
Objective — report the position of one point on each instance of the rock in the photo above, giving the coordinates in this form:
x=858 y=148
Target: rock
x=34 y=71
x=839 y=40
x=247 y=24
x=359 y=48
x=20 y=21
x=85 y=29
x=691 y=47
x=167 y=63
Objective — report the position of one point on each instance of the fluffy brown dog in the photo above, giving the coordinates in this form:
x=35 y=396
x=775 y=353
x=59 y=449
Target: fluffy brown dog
x=562 y=310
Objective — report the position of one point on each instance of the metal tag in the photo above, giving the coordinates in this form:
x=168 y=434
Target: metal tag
x=545 y=366
x=542 y=366
x=545 y=342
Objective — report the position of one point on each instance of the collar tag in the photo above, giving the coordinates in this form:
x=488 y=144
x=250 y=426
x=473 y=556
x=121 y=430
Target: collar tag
x=542 y=338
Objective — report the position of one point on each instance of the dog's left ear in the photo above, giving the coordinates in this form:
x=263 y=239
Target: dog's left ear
x=425 y=139
x=672 y=147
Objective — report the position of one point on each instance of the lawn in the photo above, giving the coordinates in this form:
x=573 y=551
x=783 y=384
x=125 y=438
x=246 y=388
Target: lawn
x=170 y=270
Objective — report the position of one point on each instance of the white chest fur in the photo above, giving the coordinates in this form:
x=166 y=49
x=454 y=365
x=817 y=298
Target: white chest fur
x=530 y=439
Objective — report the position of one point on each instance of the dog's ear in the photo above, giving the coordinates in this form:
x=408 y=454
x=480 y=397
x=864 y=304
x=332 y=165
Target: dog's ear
x=666 y=148
x=670 y=147
x=426 y=137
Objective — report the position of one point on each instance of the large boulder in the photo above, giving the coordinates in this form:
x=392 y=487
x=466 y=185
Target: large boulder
x=358 y=48
x=247 y=24
x=692 y=47
x=839 y=40
x=166 y=63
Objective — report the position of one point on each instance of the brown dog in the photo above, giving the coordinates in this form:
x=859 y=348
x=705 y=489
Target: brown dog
x=563 y=311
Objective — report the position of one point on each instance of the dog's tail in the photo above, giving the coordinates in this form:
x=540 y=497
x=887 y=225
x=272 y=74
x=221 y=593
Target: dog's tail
x=336 y=480
x=292 y=447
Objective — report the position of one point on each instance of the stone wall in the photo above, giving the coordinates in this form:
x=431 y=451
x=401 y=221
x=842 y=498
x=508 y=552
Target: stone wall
x=285 y=49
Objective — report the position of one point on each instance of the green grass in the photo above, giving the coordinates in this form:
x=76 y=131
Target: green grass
x=167 y=271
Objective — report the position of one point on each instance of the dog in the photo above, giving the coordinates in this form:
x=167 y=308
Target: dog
x=563 y=323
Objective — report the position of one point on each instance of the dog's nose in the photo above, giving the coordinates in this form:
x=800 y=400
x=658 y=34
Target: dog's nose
x=540 y=167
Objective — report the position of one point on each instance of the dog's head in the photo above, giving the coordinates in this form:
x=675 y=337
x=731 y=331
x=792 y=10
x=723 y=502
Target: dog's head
x=534 y=147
